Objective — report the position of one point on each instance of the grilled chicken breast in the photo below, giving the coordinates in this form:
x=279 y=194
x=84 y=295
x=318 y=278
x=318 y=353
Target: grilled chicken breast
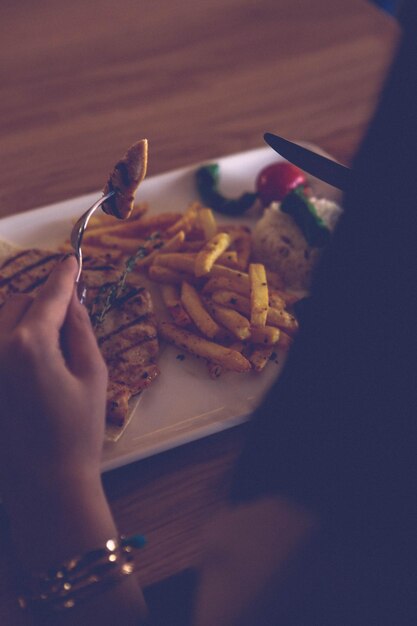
x=127 y=336
x=123 y=322
x=125 y=178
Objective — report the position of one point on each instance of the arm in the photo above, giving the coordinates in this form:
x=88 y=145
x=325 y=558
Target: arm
x=52 y=394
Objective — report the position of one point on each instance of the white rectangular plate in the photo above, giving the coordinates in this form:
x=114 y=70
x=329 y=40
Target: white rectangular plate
x=183 y=404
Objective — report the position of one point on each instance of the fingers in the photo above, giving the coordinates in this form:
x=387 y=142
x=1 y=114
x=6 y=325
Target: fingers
x=13 y=311
x=51 y=303
x=56 y=307
x=81 y=350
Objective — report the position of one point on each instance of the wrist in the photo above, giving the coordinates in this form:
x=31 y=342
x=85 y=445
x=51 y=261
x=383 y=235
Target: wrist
x=45 y=485
x=58 y=519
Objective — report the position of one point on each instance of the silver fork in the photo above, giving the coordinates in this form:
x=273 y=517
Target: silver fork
x=77 y=236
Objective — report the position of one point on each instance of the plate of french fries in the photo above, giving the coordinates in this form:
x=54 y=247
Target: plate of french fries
x=225 y=323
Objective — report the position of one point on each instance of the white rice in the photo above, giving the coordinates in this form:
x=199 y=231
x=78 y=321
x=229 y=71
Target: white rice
x=280 y=245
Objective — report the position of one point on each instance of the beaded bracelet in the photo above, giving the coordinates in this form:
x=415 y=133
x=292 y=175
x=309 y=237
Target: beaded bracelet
x=80 y=577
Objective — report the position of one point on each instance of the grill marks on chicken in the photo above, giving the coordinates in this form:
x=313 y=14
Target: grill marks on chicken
x=127 y=334
x=128 y=341
x=25 y=272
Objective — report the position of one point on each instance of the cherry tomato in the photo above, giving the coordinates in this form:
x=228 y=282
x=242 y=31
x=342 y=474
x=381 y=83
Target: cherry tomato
x=275 y=181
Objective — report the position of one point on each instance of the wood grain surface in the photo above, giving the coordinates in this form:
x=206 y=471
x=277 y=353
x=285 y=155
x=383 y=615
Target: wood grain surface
x=80 y=81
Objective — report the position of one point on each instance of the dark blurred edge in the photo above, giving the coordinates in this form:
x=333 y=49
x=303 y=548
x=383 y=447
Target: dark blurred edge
x=390 y=6
x=170 y=602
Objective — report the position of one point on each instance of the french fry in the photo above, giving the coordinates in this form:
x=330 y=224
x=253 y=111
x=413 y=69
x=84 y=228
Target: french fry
x=129 y=233
x=178 y=261
x=170 y=295
x=288 y=298
x=192 y=246
x=233 y=300
x=100 y=220
x=221 y=283
x=210 y=253
x=186 y=221
x=266 y=336
x=276 y=300
x=207 y=222
x=151 y=247
x=195 y=309
x=260 y=357
x=238 y=346
x=140 y=227
x=171 y=245
x=195 y=234
x=94 y=236
x=229 y=259
x=238 y=325
x=103 y=220
x=237 y=276
x=161 y=274
x=242 y=244
x=171 y=298
x=155 y=223
x=215 y=370
x=275 y=317
x=126 y=246
x=285 y=341
x=227 y=357
x=258 y=294
x=282 y=319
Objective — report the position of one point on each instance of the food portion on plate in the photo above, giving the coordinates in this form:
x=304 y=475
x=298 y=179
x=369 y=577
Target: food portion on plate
x=293 y=247
x=217 y=304
x=225 y=291
x=122 y=314
x=24 y=271
x=293 y=223
x=124 y=180
x=121 y=310
x=122 y=317
x=218 y=277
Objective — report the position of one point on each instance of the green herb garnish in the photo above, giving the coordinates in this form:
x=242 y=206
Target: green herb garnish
x=302 y=210
x=108 y=295
x=207 y=178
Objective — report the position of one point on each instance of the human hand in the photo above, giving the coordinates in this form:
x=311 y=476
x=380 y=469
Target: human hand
x=53 y=383
x=52 y=386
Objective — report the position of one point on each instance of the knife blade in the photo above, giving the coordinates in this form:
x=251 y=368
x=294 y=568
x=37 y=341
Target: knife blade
x=315 y=164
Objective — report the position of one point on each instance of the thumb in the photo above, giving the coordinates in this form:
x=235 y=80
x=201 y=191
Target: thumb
x=82 y=353
x=51 y=303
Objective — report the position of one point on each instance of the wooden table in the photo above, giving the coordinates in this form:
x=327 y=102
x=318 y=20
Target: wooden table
x=80 y=81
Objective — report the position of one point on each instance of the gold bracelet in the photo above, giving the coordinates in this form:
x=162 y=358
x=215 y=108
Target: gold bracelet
x=80 y=577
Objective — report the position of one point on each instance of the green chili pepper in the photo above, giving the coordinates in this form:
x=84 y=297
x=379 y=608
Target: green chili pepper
x=207 y=179
x=302 y=210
